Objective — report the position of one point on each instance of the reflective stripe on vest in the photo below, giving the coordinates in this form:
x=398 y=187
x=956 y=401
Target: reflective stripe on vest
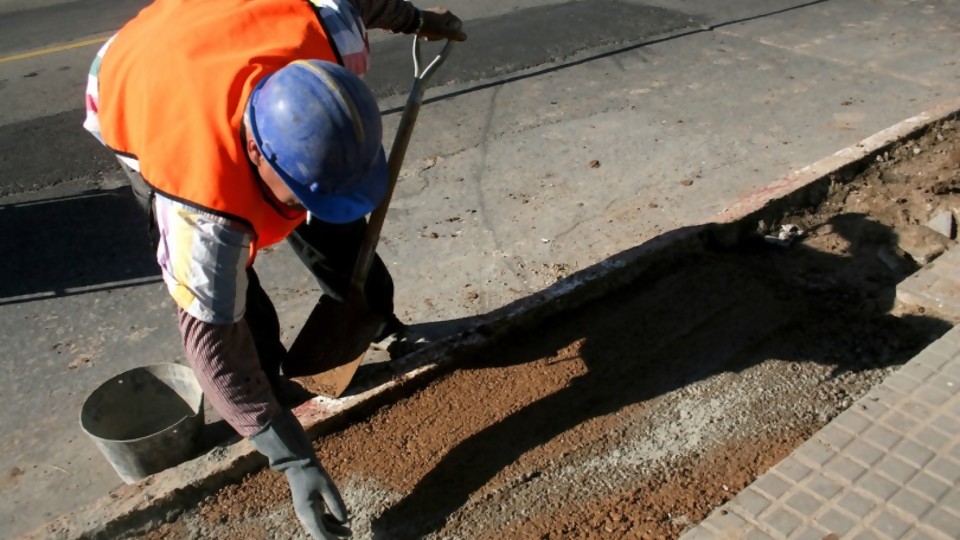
x=173 y=88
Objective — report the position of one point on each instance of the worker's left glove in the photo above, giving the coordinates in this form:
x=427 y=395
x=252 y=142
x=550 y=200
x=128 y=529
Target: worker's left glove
x=285 y=444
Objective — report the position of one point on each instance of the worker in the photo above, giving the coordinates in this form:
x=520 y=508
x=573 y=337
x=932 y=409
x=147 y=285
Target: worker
x=236 y=120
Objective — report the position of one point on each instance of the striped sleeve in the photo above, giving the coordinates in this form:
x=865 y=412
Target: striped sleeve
x=224 y=359
x=92 y=95
x=347 y=31
x=203 y=259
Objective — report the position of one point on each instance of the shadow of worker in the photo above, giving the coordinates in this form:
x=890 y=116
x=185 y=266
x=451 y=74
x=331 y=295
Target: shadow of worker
x=723 y=311
x=69 y=245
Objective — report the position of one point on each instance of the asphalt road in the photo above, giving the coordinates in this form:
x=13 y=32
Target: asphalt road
x=38 y=124
x=46 y=48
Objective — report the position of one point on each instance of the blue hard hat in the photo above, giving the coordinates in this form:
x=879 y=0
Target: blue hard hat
x=319 y=126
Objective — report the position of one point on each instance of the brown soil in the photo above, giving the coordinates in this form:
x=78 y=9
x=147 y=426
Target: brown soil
x=636 y=415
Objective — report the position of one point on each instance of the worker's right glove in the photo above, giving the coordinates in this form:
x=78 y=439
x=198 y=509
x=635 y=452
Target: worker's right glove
x=438 y=23
x=285 y=444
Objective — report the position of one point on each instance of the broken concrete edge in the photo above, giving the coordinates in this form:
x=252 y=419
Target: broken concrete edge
x=807 y=186
x=164 y=496
x=927 y=288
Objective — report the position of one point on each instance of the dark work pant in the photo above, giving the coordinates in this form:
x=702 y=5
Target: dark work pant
x=144 y=195
x=329 y=251
x=264 y=326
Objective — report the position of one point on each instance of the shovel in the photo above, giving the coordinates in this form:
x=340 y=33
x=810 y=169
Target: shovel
x=334 y=339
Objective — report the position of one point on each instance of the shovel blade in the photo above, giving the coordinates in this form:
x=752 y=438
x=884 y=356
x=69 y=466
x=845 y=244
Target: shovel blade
x=332 y=343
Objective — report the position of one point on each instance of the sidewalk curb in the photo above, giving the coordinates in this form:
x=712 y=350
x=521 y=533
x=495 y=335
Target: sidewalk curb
x=164 y=496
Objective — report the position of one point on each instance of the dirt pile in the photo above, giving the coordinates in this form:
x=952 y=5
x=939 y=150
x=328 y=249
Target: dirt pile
x=636 y=415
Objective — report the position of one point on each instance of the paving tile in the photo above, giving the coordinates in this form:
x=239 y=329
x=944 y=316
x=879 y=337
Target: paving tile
x=945 y=468
x=942 y=521
x=852 y=420
x=855 y=504
x=792 y=470
x=872 y=484
x=917 y=534
x=836 y=522
x=954 y=451
x=952 y=369
x=911 y=502
x=814 y=454
x=902 y=384
x=896 y=469
x=897 y=450
x=881 y=436
x=873 y=410
x=932 y=396
x=952 y=500
x=932 y=438
x=917 y=371
x=948 y=424
x=937 y=356
x=954 y=405
x=725 y=523
x=886 y=394
x=901 y=422
x=834 y=437
x=864 y=452
x=946 y=381
x=913 y=453
x=945 y=347
x=699 y=533
x=751 y=501
x=807 y=533
x=821 y=486
x=757 y=534
x=889 y=525
x=928 y=486
x=803 y=503
x=781 y=521
x=916 y=409
x=771 y=486
x=844 y=469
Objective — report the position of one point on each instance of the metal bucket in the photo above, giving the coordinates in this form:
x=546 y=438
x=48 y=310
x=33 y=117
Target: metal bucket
x=146 y=420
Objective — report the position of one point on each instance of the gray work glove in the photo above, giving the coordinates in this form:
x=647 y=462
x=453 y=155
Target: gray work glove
x=285 y=444
x=438 y=23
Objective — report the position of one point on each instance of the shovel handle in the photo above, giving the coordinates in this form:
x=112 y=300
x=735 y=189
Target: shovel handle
x=397 y=152
x=424 y=76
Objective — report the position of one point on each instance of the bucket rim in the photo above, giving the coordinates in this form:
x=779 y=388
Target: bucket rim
x=196 y=411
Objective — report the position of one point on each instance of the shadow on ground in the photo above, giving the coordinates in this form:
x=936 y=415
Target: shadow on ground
x=53 y=247
x=724 y=310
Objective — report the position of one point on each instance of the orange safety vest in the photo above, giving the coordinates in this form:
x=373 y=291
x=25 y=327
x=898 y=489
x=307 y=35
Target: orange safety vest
x=173 y=89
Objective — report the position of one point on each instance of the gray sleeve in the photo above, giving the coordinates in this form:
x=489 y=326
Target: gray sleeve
x=225 y=362
x=399 y=16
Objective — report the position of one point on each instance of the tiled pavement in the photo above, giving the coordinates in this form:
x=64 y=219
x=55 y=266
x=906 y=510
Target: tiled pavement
x=888 y=467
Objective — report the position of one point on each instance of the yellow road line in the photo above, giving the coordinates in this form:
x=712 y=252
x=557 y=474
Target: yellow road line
x=49 y=50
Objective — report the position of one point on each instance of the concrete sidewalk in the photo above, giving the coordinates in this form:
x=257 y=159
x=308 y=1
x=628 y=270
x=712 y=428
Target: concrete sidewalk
x=887 y=468
x=512 y=184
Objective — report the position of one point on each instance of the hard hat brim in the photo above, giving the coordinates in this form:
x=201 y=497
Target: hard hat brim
x=338 y=208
